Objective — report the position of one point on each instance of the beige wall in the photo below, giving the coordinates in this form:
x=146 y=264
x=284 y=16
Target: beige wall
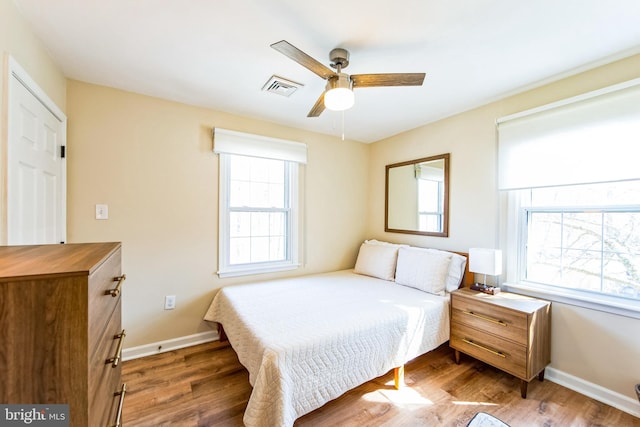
x=597 y=347
x=151 y=162
x=17 y=40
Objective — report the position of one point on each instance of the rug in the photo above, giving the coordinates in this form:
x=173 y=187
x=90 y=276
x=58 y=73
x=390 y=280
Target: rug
x=482 y=419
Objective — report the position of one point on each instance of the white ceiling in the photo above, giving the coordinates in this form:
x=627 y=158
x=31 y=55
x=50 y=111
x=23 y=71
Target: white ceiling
x=216 y=53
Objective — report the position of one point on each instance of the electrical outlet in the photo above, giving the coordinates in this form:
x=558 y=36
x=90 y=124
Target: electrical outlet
x=169 y=302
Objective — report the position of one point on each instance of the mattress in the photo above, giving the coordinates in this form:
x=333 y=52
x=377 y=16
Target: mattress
x=308 y=340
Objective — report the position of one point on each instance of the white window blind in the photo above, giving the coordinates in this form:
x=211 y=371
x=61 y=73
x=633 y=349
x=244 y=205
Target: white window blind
x=244 y=144
x=586 y=139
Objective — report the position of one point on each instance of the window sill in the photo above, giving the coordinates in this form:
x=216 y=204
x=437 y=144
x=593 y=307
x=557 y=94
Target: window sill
x=233 y=272
x=613 y=305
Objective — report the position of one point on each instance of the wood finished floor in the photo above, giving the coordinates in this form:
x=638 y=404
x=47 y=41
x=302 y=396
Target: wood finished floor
x=205 y=385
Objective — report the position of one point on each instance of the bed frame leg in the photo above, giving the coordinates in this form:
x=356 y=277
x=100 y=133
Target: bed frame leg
x=398 y=377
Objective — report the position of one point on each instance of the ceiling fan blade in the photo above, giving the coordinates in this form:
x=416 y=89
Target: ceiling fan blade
x=303 y=59
x=393 y=79
x=318 y=107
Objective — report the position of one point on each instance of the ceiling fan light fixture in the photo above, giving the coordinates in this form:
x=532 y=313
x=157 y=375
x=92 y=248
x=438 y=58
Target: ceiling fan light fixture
x=339 y=99
x=339 y=95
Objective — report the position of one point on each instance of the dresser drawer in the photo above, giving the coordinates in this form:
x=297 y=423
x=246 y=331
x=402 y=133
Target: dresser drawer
x=104 y=378
x=106 y=348
x=496 y=351
x=104 y=405
x=101 y=303
x=491 y=318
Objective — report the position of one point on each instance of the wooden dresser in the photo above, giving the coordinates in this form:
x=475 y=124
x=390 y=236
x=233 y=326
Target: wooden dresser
x=508 y=331
x=60 y=329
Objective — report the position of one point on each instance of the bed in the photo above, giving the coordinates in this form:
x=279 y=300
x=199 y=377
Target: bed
x=308 y=340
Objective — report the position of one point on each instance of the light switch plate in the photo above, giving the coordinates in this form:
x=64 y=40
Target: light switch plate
x=169 y=302
x=102 y=212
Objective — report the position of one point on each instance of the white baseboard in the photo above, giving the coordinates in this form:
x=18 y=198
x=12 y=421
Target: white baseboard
x=599 y=393
x=168 y=345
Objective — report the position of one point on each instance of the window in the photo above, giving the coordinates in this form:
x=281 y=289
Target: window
x=259 y=209
x=570 y=192
x=430 y=204
x=258 y=218
x=583 y=238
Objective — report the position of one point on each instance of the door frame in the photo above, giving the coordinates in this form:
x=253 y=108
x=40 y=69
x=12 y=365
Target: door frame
x=13 y=69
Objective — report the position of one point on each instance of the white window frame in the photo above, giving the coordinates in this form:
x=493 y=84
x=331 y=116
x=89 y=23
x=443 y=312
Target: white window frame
x=439 y=214
x=517 y=226
x=229 y=143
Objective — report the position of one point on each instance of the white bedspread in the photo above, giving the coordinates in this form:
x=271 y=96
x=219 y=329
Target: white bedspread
x=308 y=340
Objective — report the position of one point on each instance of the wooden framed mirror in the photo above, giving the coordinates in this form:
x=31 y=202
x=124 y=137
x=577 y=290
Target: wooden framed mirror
x=417 y=196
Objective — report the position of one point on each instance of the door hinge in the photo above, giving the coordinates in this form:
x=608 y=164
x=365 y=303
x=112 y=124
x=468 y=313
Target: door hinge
x=63 y=151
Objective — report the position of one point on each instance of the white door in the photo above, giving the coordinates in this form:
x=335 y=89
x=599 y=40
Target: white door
x=36 y=167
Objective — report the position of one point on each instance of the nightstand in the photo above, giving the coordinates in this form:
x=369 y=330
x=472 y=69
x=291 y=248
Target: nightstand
x=508 y=331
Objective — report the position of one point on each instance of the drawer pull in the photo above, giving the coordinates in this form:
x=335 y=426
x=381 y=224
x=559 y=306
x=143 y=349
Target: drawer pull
x=120 y=393
x=487 y=318
x=116 y=359
x=116 y=291
x=497 y=353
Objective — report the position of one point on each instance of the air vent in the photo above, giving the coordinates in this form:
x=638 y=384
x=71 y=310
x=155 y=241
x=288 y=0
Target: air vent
x=281 y=86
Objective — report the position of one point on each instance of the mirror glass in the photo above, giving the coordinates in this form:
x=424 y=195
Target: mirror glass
x=417 y=196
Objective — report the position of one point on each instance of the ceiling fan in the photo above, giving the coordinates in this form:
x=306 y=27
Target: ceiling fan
x=338 y=95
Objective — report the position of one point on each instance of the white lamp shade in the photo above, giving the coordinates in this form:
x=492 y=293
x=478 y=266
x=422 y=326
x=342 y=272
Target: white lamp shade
x=485 y=261
x=339 y=99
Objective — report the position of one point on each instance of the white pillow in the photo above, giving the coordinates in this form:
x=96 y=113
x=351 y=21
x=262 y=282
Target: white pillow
x=456 y=270
x=379 y=242
x=377 y=260
x=423 y=269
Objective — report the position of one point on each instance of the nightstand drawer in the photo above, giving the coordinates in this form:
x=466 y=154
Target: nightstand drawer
x=491 y=318
x=501 y=353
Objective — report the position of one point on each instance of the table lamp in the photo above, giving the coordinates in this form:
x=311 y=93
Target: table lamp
x=485 y=261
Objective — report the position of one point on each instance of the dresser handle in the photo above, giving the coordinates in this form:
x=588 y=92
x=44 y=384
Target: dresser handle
x=116 y=291
x=497 y=353
x=116 y=359
x=120 y=393
x=487 y=318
